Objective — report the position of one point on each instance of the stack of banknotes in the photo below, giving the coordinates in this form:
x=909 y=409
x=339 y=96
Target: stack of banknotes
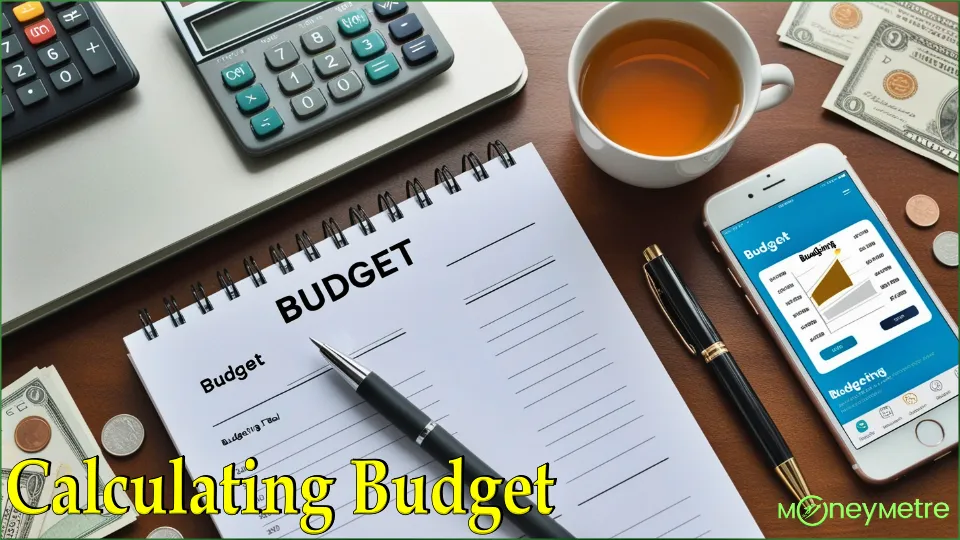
x=899 y=78
x=41 y=421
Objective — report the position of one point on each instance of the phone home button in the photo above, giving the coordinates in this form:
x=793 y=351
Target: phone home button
x=930 y=432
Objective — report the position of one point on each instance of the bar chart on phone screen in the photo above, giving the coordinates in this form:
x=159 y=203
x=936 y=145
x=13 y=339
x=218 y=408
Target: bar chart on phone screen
x=844 y=296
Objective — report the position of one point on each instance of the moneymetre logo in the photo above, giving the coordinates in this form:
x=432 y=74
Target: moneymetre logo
x=767 y=247
x=812 y=510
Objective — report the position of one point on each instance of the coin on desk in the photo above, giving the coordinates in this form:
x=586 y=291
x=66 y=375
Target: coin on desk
x=164 y=532
x=945 y=247
x=32 y=434
x=122 y=435
x=923 y=210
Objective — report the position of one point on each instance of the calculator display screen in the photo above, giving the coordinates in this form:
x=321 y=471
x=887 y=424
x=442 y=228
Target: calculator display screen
x=241 y=19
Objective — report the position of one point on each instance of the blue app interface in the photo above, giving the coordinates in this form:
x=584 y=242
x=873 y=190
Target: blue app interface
x=867 y=332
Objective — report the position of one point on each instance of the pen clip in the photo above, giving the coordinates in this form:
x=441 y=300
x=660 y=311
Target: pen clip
x=656 y=294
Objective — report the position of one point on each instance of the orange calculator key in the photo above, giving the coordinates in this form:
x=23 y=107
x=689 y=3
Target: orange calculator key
x=39 y=32
x=28 y=11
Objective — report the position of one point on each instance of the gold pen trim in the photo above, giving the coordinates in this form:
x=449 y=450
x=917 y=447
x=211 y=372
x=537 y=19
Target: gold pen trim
x=656 y=295
x=714 y=351
x=789 y=472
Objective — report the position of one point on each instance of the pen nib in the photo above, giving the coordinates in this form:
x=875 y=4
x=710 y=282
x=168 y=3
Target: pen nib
x=317 y=343
x=348 y=368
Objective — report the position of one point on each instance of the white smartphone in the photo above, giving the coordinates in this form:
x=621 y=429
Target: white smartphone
x=863 y=330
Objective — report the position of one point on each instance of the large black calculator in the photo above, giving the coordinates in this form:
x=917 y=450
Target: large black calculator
x=58 y=58
x=281 y=71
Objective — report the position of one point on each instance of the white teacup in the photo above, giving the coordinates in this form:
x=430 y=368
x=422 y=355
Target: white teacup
x=656 y=171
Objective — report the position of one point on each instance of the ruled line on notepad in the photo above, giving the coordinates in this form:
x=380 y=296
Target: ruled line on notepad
x=371 y=349
x=651 y=516
x=575 y=450
x=514 y=280
x=324 y=372
x=561 y=304
x=538 y=333
x=622 y=482
x=502 y=238
x=564 y=417
x=562 y=388
x=595 y=467
x=597 y=419
x=561 y=370
x=511 y=312
x=374 y=342
x=678 y=526
x=522 y=270
x=551 y=356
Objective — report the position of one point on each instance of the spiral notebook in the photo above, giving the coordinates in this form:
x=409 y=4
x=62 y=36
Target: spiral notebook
x=480 y=299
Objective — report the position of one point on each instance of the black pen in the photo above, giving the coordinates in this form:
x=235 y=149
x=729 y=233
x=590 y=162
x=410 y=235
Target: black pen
x=701 y=338
x=435 y=440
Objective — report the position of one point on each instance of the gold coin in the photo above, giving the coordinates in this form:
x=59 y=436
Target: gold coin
x=900 y=84
x=923 y=210
x=846 y=16
x=32 y=434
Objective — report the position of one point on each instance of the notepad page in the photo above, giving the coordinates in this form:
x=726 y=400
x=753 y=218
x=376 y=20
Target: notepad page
x=491 y=311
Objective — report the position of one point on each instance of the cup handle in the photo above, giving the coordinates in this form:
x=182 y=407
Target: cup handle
x=781 y=77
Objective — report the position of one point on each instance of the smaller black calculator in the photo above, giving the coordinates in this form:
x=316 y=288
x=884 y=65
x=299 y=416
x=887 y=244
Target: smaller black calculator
x=281 y=71
x=58 y=58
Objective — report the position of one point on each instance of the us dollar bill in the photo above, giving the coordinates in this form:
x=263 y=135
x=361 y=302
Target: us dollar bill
x=42 y=393
x=832 y=30
x=35 y=490
x=902 y=85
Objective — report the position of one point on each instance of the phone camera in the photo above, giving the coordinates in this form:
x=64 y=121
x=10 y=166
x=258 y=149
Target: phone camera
x=750 y=195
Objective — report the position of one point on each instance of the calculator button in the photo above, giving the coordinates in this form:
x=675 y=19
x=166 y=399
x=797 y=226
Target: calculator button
x=345 y=87
x=368 y=46
x=40 y=32
x=73 y=18
x=382 y=69
x=5 y=25
x=331 y=63
x=10 y=48
x=420 y=51
x=54 y=55
x=7 y=107
x=308 y=104
x=92 y=50
x=58 y=5
x=238 y=75
x=389 y=10
x=295 y=80
x=266 y=123
x=253 y=99
x=406 y=27
x=317 y=40
x=32 y=93
x=20 y=70
x=354 y=23
x=65 y=78
x=28 y=11
x=281 y=56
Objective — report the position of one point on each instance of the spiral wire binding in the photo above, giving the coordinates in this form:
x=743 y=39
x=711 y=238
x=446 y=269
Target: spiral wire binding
x=359 y=216
x=306 y=245
x=443 y=174
x=385 y=202
x=332 y=230
x=501 y=150
x=253 y=272
x=423 y=198
x=479 y=172
x=227 y=285
x=172 y=307
x=200 y=296
x=280 y=259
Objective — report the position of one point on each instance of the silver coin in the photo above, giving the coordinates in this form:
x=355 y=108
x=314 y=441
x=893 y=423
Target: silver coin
x=122 y=435
x=945 y=247
x=164 y=532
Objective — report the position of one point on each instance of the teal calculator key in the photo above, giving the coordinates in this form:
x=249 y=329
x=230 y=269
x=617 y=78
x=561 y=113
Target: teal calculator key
x=368 y=46
x=238 y=75
x=266 y=123
x=354 y=23
x=253 y=99
x=382 y=69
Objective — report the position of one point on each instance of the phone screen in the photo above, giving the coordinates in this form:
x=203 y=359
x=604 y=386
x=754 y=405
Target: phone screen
x=853 y=310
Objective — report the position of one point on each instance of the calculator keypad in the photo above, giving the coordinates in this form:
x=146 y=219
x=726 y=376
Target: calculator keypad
x=58 y=58
x=322 y=69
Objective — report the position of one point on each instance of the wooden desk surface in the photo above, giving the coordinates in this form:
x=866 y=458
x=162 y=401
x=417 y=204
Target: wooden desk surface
x=84 y=341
